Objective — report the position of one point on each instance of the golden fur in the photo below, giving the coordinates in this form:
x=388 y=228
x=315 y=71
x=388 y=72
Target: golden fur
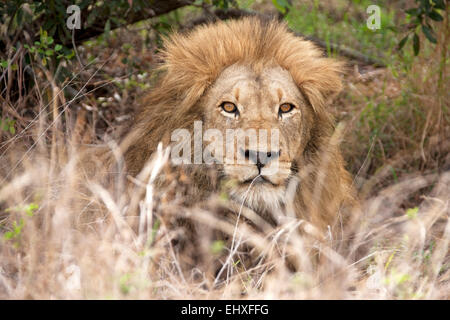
x=191 y=64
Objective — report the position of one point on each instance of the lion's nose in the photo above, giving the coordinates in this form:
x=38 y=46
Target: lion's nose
x=260 y=158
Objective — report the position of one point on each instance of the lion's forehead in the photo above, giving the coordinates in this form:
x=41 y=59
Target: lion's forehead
x=267 y=76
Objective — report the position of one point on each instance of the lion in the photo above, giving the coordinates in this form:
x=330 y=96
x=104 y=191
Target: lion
x=253 y=74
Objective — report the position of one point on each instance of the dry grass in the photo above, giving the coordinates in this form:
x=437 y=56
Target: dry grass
x=70 y=241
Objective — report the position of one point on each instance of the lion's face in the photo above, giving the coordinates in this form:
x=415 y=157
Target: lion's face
x=273 y=117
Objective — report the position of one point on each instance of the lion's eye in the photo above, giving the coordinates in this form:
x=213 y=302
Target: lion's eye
x=285 y=108
x=229 y=107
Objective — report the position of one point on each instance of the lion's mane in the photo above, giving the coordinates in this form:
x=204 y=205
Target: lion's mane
x=192 y=61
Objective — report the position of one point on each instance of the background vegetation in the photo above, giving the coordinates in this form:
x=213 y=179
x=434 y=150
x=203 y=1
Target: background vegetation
x=62 y=90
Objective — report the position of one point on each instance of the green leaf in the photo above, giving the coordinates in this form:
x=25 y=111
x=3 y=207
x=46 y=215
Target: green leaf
x=49 y=52
x=439 y=4
x=418 y=20
x=435 y=16
x=19 y=16
x=31 y=208
x=428 y=32
x=412 y=212
x=416 y=44
x=403 y=42
x=394 y=173
x=413 y=11
x=58 y=47
x=392 y=28
x=70 y=55
x=281 y=5
x=8 y=235
x=425 y=4
x=107 y=27
x=217 y=247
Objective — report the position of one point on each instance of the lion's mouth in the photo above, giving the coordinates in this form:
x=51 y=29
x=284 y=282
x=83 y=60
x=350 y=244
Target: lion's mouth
x=259 y=180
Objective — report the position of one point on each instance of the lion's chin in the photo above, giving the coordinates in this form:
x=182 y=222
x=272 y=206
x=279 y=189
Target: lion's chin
x=259 y=194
